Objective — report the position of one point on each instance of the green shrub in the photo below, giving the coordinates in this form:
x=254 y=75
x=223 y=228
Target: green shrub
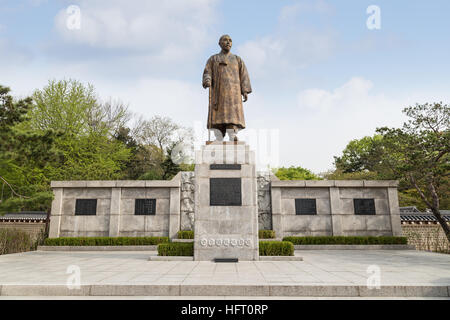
x=346 y=240
x=187 y=234
x=176 y=249
x=266 y=234
x=106 y=241
x=14 y=241
x=276 y=248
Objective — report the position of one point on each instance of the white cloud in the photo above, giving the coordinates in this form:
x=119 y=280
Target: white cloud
x=292 y=45
x=172 y=29
x=287 y=53
x=183 y=101
x=326 y=120
x=351 y=95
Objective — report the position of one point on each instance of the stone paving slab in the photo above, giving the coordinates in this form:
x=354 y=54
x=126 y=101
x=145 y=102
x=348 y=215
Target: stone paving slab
x=322 y=273
x=170 y=258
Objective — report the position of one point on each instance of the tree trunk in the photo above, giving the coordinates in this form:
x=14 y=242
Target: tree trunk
x=434 y=206
x=442 y=222
x=47 y=223
x=436 y=212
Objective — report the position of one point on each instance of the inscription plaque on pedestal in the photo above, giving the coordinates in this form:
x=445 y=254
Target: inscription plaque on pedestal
x=225 y=192
x=225 y=167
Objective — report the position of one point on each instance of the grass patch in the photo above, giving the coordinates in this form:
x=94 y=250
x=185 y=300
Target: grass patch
x=15 y=240
x=105 y=241
x=176 y=249
x=276 y=248
x=346 y=240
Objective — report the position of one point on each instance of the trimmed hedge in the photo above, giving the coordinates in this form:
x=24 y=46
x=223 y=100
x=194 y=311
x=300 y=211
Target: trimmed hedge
x=266 y=234
x=106 y=241
x=187 y=234
x=276 y=248
x=176 y=249
x=346 y=240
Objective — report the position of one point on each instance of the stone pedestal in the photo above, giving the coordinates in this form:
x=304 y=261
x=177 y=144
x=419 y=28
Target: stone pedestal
x=226 y=209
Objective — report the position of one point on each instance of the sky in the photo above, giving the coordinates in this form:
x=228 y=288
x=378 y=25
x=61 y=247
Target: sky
x=322 y=72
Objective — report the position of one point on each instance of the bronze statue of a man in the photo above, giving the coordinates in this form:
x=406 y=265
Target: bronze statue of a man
x=227 y=76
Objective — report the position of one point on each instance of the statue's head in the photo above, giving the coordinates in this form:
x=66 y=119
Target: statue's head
x=225 y=42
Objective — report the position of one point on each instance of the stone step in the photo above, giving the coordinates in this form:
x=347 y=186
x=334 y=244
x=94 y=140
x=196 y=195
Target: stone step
x=261 y=258
x=187 y=290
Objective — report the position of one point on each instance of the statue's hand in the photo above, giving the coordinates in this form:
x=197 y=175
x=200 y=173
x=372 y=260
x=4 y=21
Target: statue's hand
x=206 y=84
x=245 y=96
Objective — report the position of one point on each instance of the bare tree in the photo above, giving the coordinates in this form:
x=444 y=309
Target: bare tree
x=159 y=131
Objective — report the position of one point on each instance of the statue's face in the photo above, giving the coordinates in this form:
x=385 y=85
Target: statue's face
x=226 y=43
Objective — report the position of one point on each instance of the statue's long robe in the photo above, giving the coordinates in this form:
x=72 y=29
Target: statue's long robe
x=229 y=80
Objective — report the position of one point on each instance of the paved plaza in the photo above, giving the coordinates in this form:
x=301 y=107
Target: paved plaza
x=322 y=273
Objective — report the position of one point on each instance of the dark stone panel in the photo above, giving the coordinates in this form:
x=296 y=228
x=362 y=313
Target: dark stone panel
x=225 y=192
x=219 y=260
x=86 y=207
x=143 y=207
x=225 y=167
x=364 y=206
x=305 y=206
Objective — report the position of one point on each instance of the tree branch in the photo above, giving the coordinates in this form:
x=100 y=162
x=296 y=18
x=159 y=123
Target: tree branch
x=12 y=189
x=422 y=195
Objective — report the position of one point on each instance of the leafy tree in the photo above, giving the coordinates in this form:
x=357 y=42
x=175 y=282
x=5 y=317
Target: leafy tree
x=295 y=173
x=419 y=152
x=23 y=158
x=87 y=126
x=360 y=155
x=364 y=159
x=170 y=168
x=357 y=175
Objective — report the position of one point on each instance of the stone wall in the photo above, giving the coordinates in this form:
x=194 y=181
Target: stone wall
x=335 y=213
x=132 y=225
x=34 y=229
x=306 y=225
x=85 y=226
x=426 y=236
x=365 y=225
x=175 y=207
x=115 y=211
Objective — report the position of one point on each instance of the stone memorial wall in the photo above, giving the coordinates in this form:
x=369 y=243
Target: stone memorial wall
x=290 y=208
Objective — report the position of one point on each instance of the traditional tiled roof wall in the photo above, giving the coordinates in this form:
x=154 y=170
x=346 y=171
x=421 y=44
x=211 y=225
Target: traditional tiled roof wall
x=28 y=216
x=421 y=218
x=410 y=215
